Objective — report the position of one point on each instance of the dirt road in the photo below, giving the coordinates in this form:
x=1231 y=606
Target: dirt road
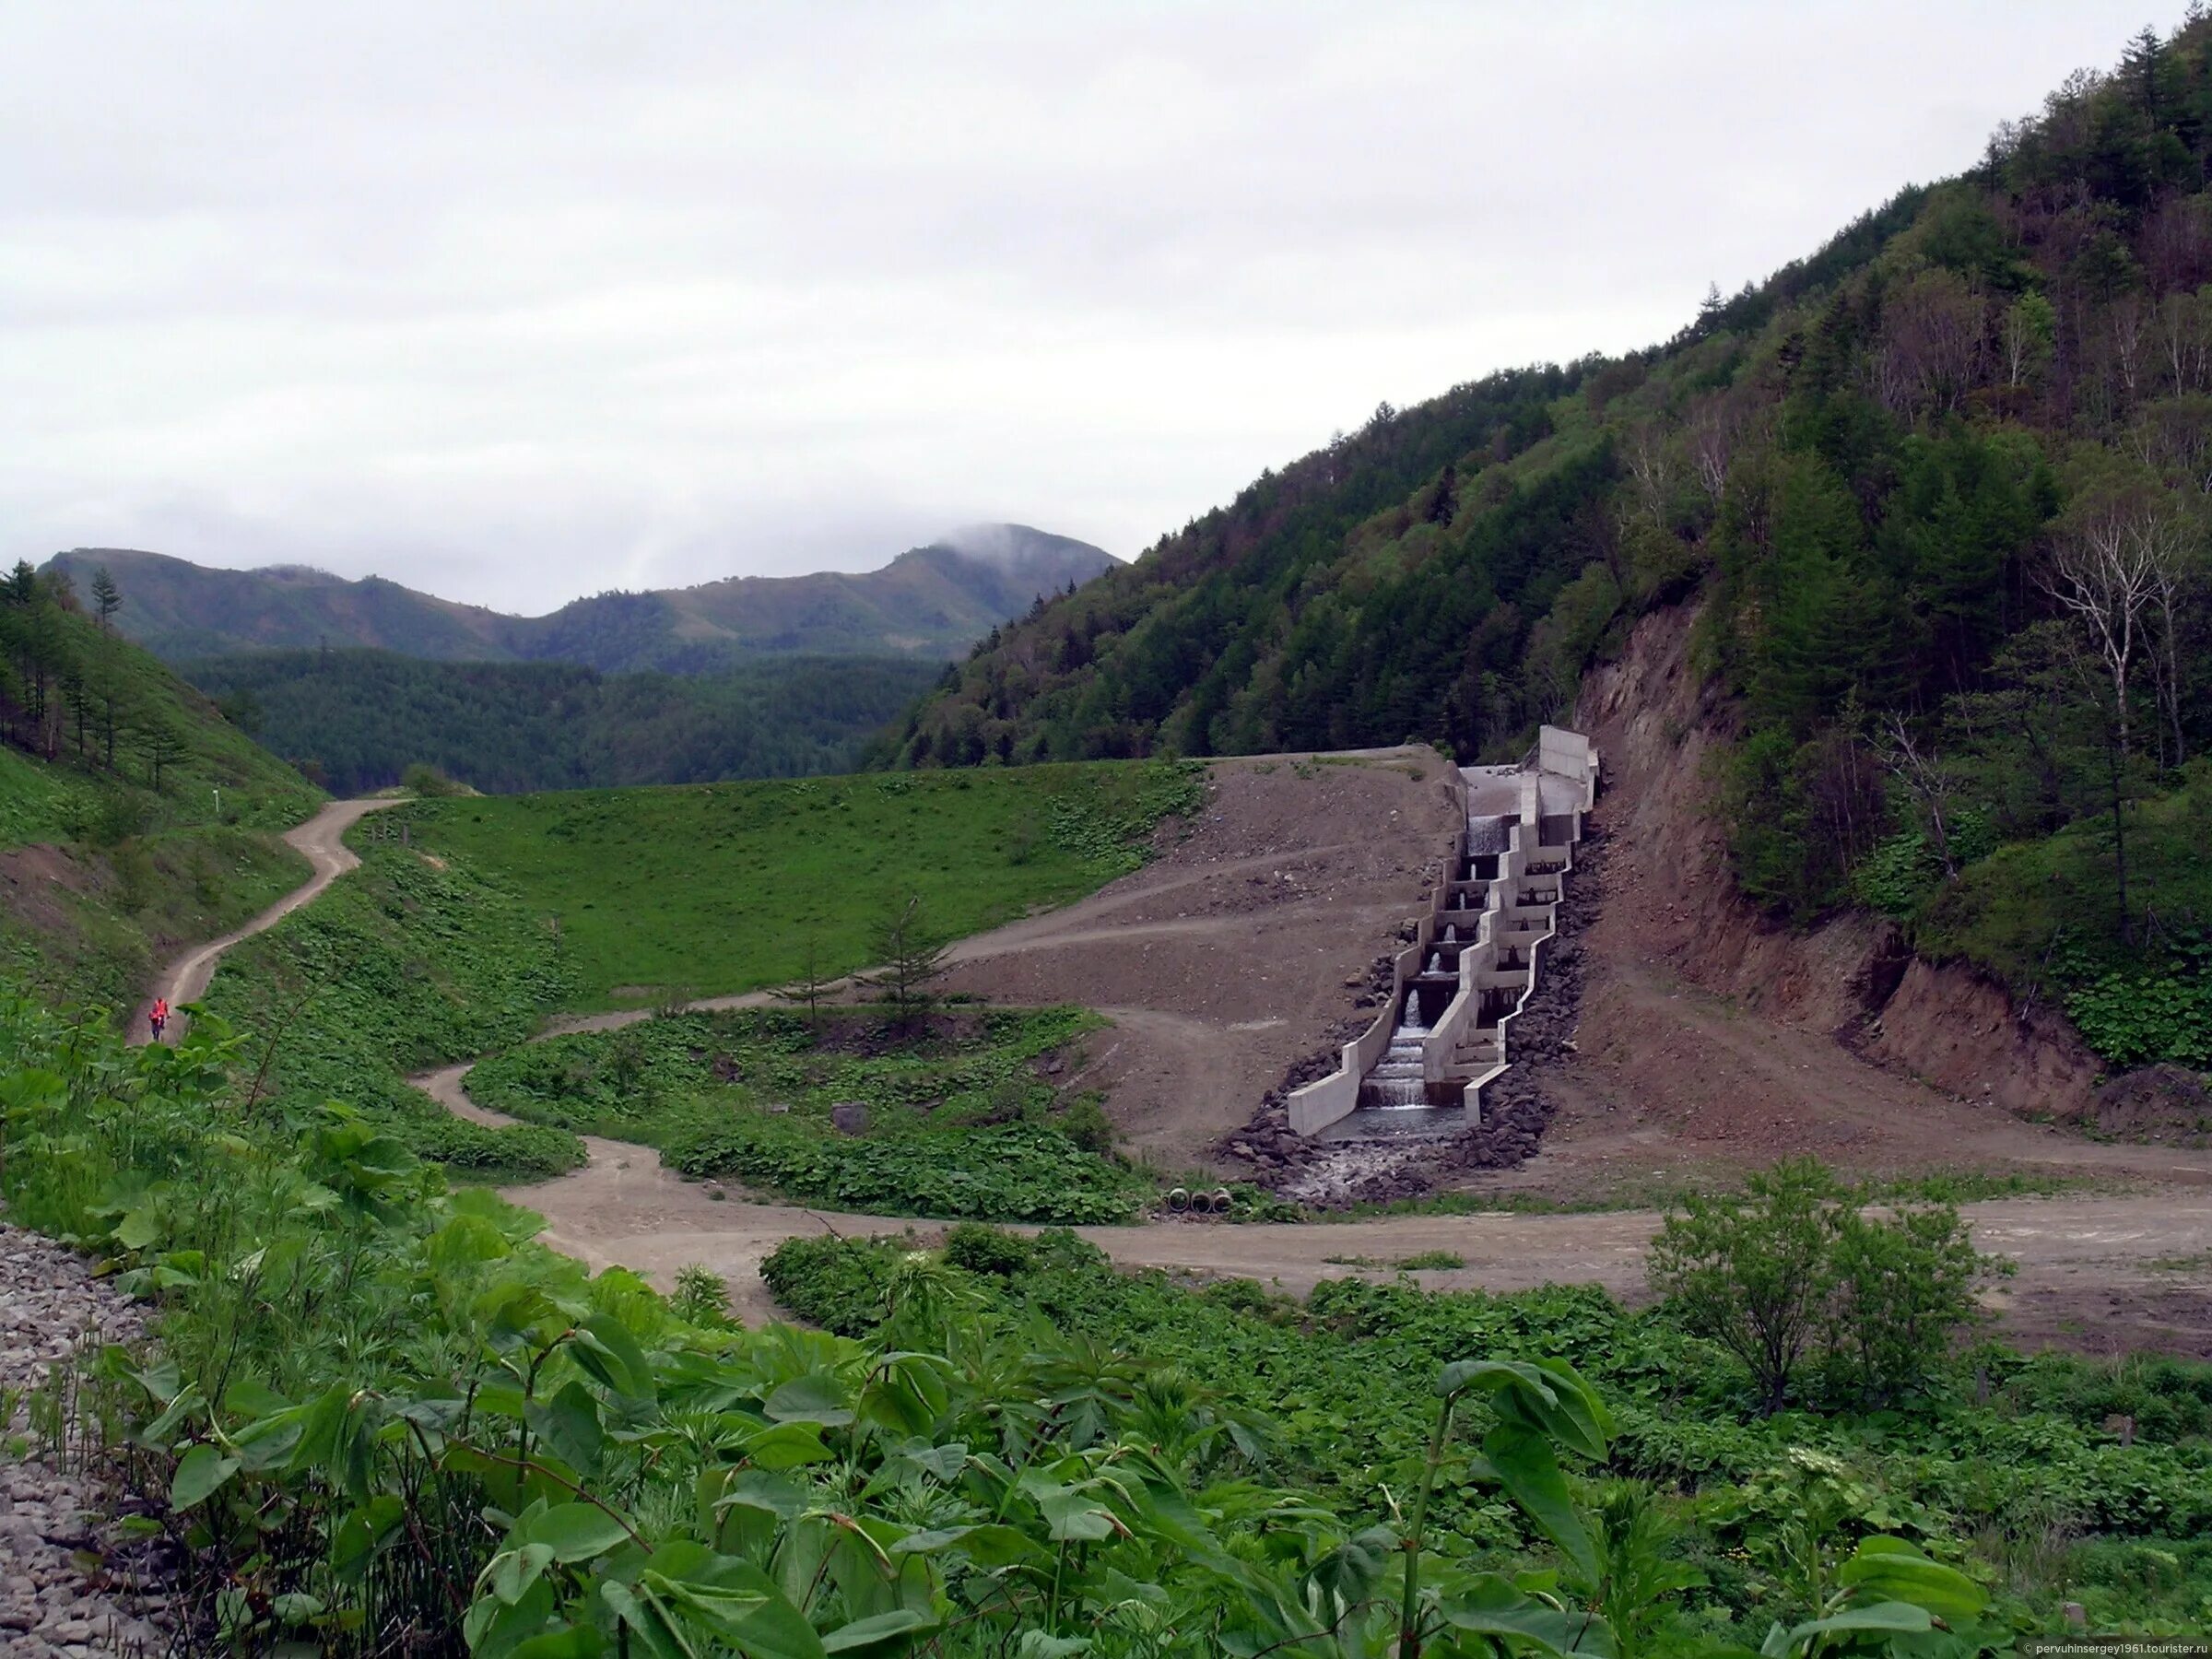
x=322 y=839
x=2103 y=1275
x=1217 y=960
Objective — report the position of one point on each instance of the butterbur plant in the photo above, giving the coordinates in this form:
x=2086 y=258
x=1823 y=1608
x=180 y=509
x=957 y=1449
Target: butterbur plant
x=386 y=1421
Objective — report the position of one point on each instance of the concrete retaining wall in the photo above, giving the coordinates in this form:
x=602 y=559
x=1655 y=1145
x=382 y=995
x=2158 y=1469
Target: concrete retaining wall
x=1323 y=1103
x=1566 y=754
x=1561 y=757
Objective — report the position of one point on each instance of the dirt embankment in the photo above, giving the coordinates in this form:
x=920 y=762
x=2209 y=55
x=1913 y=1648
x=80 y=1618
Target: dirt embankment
x=1242 y=947
x=1657 y=726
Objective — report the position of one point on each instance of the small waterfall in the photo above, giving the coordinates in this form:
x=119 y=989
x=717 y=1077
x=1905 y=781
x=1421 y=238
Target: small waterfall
x=1451 y=932
x=1436 y=961
x=1396 y=1082
x=1487 y=835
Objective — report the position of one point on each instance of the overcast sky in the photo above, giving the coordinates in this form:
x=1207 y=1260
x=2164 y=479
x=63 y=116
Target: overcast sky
x=515 y=303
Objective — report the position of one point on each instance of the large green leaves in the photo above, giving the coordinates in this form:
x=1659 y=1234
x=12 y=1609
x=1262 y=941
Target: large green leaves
x=1523 y=1462
x=685 y=1601
x=1493 y=1606
x=1548 y=1397
x=1892 y=1569
x=201 y=1472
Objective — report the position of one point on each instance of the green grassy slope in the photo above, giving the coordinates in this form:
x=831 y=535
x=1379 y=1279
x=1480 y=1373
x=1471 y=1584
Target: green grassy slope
x=719 y=888
x=220 y=775
x=95 y=924
x=102 y=874
x=404 y=964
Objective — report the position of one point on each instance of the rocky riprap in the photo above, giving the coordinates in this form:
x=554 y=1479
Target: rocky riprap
x=1516 y=1108
x=68 y=1585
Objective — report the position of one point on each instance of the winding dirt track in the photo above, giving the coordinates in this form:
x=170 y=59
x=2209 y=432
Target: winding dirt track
x=2107 y=1274
x=323 y=840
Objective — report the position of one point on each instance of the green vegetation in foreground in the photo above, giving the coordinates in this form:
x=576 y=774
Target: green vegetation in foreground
x=726 y=887
x=399 y=967
x=382 y=1420
x=2002 y=1464
x=962 y=1120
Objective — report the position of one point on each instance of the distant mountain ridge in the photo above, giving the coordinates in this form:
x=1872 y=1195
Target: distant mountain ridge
x=931 y=603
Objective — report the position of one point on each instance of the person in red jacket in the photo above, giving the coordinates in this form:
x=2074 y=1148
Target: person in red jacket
x=160 y=1017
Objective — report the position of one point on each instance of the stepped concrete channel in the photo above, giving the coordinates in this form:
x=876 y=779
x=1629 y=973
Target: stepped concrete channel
x=1445 y=1032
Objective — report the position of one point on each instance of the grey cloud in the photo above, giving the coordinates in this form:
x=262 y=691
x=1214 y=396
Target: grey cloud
x=517 y=301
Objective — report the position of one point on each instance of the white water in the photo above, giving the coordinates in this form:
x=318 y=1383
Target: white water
x=1396 y=1082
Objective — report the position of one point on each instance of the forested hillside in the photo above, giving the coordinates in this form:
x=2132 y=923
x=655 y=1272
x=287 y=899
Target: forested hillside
x=92 y=728
x=356 y=720
x=132 y=816
x=1940 y=493
x=929 y=603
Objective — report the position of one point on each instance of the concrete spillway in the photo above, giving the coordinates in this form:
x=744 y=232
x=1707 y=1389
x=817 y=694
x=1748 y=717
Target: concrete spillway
x=1445 y=1033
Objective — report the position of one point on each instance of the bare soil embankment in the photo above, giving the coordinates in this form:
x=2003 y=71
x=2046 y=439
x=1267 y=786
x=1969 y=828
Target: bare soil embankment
x=1242 y=947
x=1709 y=1036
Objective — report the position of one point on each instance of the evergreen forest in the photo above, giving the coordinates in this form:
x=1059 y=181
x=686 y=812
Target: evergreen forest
x=356 y=720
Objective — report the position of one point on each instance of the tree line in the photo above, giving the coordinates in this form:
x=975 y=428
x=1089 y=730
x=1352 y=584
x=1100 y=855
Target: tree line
x=355 y=720
x=69 y=689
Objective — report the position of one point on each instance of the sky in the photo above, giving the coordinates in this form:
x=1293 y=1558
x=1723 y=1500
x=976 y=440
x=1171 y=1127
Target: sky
x=514 y=303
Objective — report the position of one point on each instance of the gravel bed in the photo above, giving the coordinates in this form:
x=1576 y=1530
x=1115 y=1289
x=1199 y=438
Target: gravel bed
x=67 y=1586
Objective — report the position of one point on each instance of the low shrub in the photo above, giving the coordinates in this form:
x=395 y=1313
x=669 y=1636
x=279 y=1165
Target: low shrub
x=1014 y=1173
x=984 y=1249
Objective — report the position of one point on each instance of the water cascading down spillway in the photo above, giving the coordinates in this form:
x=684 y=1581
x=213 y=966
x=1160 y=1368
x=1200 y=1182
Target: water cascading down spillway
x=1397 y=1083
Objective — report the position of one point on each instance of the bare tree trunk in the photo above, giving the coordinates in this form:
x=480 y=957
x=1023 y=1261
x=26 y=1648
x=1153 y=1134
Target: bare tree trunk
x=2115 y=759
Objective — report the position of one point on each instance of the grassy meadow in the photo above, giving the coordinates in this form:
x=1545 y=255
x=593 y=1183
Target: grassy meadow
x=716 y=888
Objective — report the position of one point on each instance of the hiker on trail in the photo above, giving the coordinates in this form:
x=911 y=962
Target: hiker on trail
x=160 y=1017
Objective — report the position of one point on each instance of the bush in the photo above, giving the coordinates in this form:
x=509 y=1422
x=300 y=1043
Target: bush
x=835 y=1283
x=428 y=783
x=1902 y=1288
x=1084 y=1122
x=1752 y=1274
x=702 y=1295
x=1793 y=1270
x=981 y=1248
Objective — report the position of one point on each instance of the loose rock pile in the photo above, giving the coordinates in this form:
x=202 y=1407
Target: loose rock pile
x=1266 y=1141
x=67 y=1586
